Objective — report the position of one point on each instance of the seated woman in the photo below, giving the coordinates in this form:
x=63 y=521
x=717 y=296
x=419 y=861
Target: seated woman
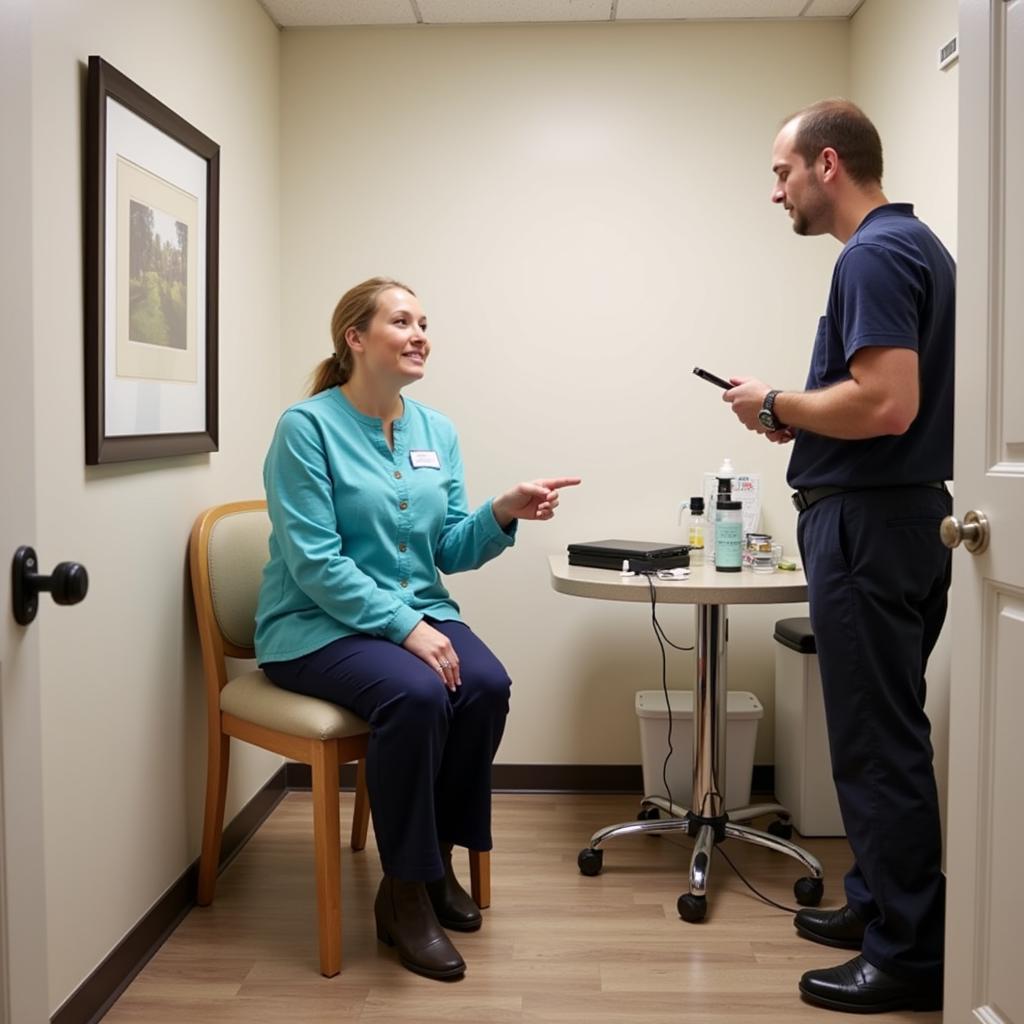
x=368 y=507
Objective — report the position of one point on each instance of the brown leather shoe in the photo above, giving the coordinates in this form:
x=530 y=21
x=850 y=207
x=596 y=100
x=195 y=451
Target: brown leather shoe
x=454 y=906
x=406 y=919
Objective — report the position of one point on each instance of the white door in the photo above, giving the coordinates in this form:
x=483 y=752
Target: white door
x=984 y=976
x=23 y=995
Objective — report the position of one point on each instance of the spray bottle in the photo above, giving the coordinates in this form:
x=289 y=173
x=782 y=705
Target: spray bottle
x=725 y=476
x=715 y=485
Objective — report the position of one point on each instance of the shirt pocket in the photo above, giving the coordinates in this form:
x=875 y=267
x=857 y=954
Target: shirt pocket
x=819 y=356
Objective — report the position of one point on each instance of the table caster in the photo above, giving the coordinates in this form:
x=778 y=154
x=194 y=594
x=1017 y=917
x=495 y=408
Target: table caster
x=808 y=891
x=692 y=908
x=590 y=861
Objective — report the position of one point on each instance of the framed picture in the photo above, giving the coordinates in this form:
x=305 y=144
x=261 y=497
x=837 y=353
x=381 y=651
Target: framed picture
x=152 y=206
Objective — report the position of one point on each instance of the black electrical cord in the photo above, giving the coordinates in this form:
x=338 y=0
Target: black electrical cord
x=658 y=631
x=661 y=636
x=760 y=895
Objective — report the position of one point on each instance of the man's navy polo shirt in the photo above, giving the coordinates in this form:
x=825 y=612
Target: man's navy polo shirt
x=894 y=285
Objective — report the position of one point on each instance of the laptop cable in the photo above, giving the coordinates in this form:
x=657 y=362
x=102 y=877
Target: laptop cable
x=662 y=638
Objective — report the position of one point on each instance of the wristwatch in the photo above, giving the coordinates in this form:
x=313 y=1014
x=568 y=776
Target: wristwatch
x=766 y=414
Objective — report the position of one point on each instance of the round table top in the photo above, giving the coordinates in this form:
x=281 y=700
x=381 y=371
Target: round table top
x=704 y=586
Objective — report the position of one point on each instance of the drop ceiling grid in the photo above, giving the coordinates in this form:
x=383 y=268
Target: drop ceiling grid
x=463 y=12
x=706 y=10
x=312 y=13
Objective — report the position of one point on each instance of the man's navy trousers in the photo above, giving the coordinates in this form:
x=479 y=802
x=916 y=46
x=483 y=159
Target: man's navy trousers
x=877 y=580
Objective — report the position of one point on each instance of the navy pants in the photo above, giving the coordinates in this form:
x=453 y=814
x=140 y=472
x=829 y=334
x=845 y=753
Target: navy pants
x=428 y=762
x=877 y=577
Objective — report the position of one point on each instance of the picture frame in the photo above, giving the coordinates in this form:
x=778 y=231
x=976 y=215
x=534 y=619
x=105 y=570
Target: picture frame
x=152 y=209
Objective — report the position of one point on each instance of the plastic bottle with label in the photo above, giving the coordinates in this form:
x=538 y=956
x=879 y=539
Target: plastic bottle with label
x=715 y=484
x=728 y=535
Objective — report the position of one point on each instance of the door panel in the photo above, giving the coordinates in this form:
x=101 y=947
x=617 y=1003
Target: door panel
x=984 y=981
x=1013 y=214
x=1003 y=764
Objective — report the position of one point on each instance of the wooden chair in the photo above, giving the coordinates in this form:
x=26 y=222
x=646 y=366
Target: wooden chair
x=227 y=552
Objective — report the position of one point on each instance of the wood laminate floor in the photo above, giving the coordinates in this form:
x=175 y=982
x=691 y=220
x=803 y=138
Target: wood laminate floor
x=555 y=946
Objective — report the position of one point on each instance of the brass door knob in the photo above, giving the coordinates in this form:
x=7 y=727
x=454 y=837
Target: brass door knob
x=972 y=532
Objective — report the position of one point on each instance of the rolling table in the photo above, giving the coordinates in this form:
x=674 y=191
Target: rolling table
x=710 y=593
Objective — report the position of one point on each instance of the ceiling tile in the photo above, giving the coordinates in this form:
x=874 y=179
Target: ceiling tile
x=832 y=8
x=442 y=12
x=669 y=10
x=296 y=13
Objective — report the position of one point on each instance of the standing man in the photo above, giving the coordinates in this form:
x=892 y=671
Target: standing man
x=873 y=445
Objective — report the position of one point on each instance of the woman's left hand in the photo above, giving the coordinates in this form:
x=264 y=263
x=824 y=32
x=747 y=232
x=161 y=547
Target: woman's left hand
x=534 y=499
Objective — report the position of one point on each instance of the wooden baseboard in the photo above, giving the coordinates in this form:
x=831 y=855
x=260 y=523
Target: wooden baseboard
x=521 y=778
x=547 y=778
x=91 y=1000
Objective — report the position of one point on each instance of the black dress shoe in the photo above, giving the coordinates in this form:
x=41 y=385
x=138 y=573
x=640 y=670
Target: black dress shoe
x=860 y=987
x=454 y=906
x=842 y=927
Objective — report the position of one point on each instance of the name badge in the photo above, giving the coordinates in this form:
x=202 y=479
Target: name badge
x=424 y=460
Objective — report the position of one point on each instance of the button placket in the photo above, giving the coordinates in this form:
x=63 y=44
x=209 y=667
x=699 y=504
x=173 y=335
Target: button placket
x=404 y=519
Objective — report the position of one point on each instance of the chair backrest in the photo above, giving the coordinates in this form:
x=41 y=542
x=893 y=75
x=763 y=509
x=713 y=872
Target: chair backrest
x=227 y=552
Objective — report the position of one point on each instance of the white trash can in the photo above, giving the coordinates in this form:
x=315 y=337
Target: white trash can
x=743 y=714
x=803 y=767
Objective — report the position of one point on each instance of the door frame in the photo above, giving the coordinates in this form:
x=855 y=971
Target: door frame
x=23 y=947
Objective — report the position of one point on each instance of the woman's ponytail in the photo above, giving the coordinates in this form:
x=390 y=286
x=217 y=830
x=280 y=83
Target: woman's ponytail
x=330 y=374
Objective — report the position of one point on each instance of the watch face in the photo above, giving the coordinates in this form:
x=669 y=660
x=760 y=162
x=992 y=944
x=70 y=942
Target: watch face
x=767 y=419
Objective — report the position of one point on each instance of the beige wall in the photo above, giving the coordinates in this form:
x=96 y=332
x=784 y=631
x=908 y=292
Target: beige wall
x=124 y=724
x=894 y=76
x=585 y=214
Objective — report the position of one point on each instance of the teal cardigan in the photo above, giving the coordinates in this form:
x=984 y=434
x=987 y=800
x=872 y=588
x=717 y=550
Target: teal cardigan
x=360 y=532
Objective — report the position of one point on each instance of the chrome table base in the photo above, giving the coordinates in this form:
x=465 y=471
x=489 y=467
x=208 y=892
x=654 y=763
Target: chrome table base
x=711 y=824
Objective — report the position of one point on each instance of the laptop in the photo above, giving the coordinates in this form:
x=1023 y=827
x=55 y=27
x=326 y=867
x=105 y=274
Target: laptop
x=642 y=555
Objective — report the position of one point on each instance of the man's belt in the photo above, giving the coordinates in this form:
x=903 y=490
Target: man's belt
x=803 y=500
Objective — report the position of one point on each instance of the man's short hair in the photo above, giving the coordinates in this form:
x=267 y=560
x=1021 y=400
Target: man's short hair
x=844 y=127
